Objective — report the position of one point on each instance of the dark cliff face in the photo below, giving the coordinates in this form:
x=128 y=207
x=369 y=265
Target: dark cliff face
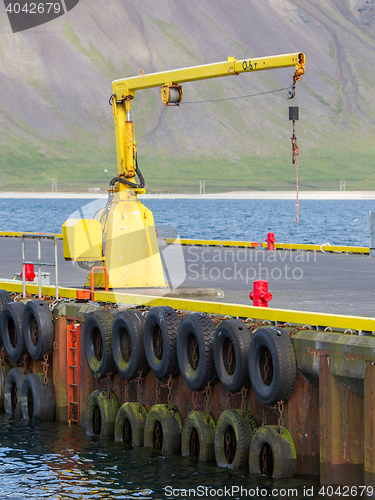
x=55 y=82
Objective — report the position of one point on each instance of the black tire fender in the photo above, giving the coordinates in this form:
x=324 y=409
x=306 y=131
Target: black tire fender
x=170 y=425
x=135 y=418
x=127 y=344
x=98 y=328
x=282 y=365
x=11 y=327
x=197 y=326
x=37 y=327
x=13 y=390
x=283 y=458
x=107 y=408
x=5 y=298
x=37 y=399
x=165 y=319
x=205 y=432
x=233 y=333
x=241 y=430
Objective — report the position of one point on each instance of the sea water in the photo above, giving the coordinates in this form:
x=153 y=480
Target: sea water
x=320 y=221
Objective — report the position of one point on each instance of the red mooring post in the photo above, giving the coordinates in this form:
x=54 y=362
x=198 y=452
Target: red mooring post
x=270 y=240
x=260 y=294
x=29 y=272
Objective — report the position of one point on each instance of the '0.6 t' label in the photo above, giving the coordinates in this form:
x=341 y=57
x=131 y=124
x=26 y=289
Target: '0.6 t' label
x=24 y=14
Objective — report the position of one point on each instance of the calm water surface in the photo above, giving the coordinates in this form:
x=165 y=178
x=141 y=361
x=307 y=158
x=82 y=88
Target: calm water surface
x=335 y=222
x=57 y=461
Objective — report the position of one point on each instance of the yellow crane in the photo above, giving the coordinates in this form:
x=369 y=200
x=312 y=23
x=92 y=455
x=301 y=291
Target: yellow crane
x=123 y=240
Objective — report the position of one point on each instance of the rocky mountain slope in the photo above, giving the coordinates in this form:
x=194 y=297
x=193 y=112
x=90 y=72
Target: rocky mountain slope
x=55 y=81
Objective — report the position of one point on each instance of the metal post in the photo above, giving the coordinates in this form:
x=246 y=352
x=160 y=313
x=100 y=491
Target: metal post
x=56 y=270
x=39 y=267
x=202 y=187
x=23 y=269
x=372 y=234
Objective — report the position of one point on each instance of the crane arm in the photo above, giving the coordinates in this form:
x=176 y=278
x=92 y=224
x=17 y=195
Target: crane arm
x=127 y=87
x=171 y=93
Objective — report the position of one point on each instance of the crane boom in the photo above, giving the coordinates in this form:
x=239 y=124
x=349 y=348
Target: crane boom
x=127 y=87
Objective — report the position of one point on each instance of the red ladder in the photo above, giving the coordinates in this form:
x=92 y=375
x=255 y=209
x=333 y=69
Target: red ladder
x=73 y=361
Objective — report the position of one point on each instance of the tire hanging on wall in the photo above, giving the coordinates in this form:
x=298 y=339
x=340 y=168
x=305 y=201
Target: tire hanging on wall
x=163 y=429
x=274 y=451
x=13 y=390
x=127 y=344
x=5 y=298
x=97 y=343
x=232 y=341
x=37 y=399
x=198 y=437
x=11 y=327
x=130 y=424
x=37 y=327
x=101 y=412
x=160 y=340
x=272 y=347
x=195 y=341
x=233 y=436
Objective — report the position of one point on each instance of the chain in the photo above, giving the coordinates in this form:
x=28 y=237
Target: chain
x=194 y=398
x=160 y=345
x=207 y=402
x=193 y=443
x=157 y=398
x=280 y=407
x=127 y=433
x=158 y=432
x=126 y=390
x=169 y=397
x=24 y=362
x=266 y=366
x=255 y=325
x=109 y=384
x=243 y=397
x=230 y=358
x=3 y=355
x=35 y=332
x=45 y=369
x=227 y=444
x=195 y=354
x=96 y=420
x=298 y=328
x=139 y=381
x=264 y=460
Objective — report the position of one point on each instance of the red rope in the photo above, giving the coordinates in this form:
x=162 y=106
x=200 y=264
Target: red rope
x=295 y=152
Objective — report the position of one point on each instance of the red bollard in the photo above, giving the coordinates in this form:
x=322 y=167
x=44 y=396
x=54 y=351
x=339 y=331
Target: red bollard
x=260 y=294
x=270 y=240
x=29 y=272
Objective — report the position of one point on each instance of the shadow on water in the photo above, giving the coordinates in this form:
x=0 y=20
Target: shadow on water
x=57 y=461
